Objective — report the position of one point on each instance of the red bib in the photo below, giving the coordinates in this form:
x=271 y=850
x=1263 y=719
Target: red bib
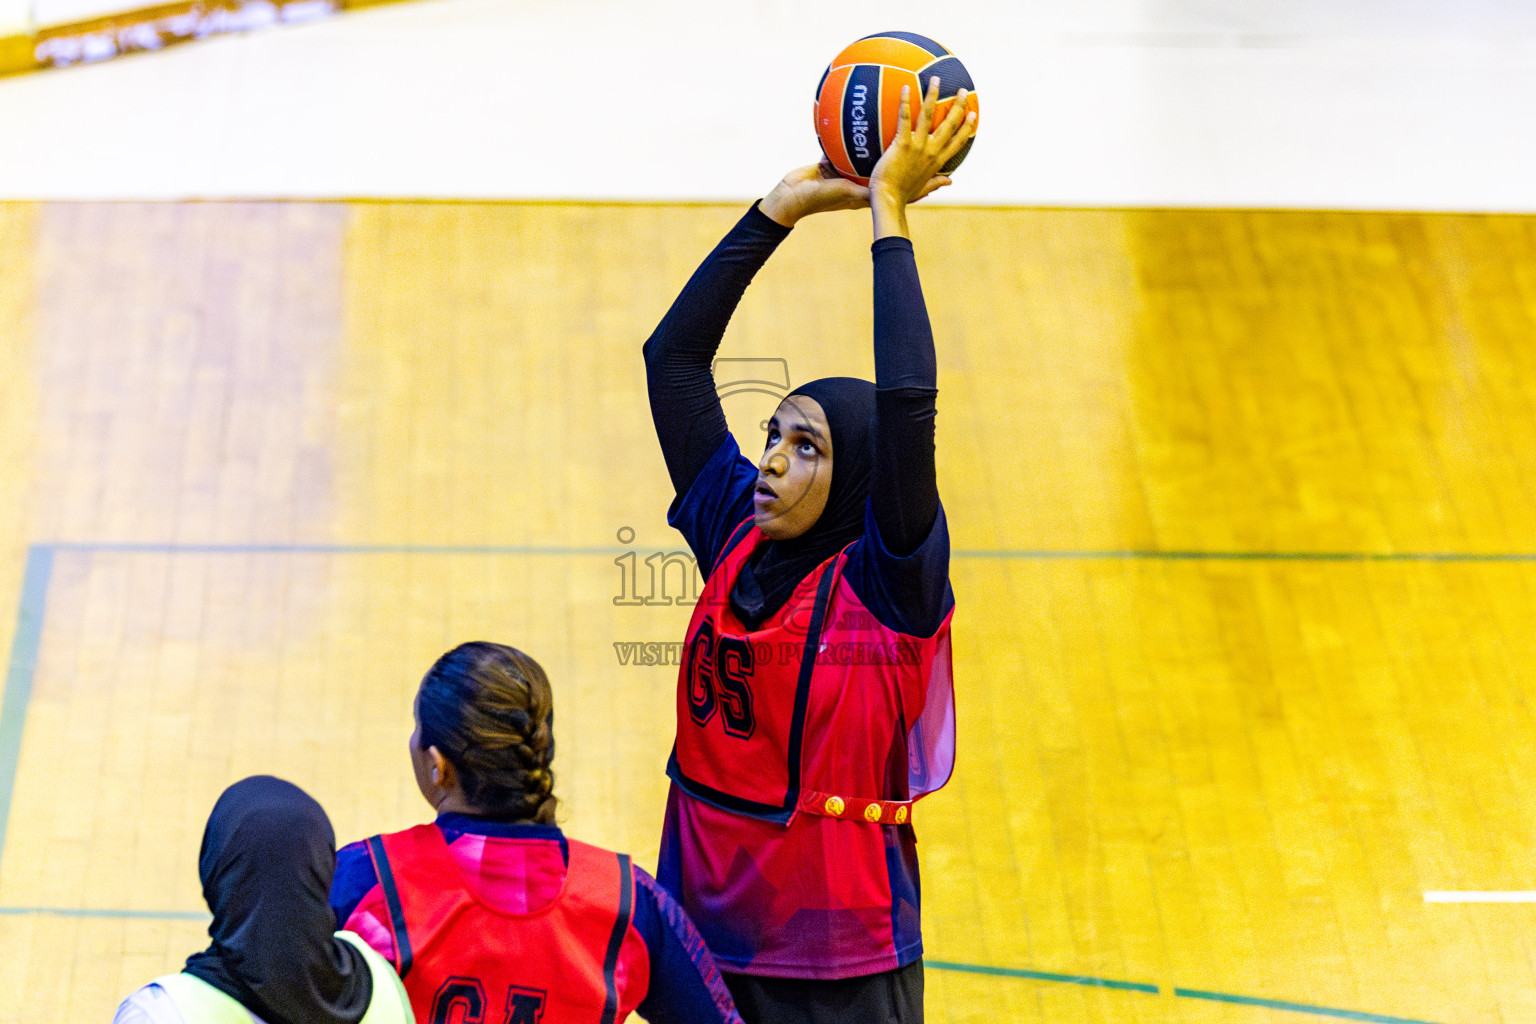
x=464 y=963
x=805 y=712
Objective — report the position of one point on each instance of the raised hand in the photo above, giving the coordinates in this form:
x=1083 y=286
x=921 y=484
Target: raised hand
x=908 y=170
x=814 y=188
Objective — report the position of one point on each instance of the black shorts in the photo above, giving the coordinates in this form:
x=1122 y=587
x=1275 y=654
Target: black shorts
x=890 y=997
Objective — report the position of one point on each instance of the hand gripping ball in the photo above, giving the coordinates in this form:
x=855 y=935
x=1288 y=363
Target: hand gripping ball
x=860 y=95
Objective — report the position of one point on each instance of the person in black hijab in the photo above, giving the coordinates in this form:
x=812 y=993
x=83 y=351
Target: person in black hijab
x=814 y=701
x=266 y=863
x=847 y=406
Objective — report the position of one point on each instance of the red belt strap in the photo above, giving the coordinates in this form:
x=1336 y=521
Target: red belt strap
x=876 y=812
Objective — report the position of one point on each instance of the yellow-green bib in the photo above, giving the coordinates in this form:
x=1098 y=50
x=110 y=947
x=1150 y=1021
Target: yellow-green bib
x=201 y=1003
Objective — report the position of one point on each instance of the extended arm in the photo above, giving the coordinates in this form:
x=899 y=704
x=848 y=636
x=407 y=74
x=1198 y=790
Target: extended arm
x=684 y=407
x=689 y=421
x=903 y=489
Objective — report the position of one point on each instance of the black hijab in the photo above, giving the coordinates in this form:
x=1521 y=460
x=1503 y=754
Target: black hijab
x=765 y=583
x=266 y=864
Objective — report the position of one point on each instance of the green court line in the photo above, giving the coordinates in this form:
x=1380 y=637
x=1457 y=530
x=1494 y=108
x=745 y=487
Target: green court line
x=1019 y=972
x=938 y=965
x=1279 y=1004
x=1185 y=993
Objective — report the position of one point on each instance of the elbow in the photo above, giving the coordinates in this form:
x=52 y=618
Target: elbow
x=654 y=353
x=660 y=350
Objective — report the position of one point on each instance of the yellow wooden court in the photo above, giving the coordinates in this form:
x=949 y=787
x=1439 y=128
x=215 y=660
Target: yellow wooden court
x=1244 y=516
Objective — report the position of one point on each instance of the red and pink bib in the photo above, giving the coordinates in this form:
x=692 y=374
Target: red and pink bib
x=463 y=962
x=805 y=712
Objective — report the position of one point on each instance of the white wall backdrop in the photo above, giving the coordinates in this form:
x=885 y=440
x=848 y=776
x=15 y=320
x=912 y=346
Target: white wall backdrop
x=1415 y=104
x=58 y=12
x=15 y=16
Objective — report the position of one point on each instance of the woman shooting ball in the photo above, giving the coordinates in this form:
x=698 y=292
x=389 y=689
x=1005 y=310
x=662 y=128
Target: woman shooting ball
x=788 y=836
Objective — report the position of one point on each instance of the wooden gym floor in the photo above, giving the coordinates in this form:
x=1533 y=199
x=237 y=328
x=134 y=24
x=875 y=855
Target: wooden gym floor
x=1244 y=521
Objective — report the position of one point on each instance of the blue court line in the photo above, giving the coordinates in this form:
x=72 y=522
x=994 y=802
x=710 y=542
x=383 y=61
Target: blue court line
x=332 y=549
x=1001 y=554
x=1017 y=972
x=27 y=640
x=1278 y=1004
x=23 y=667
x=152 y=915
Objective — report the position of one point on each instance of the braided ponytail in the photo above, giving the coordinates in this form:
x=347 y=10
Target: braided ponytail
x=489 y=709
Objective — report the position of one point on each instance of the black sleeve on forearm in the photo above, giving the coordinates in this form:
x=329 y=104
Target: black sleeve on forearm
x=904 y=490
x=679 y=353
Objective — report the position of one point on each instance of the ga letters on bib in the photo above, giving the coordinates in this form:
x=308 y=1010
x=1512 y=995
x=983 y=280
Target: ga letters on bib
x=465 y=963
x=463 y=1001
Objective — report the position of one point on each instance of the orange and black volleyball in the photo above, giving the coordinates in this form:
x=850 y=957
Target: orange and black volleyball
x=860 y=95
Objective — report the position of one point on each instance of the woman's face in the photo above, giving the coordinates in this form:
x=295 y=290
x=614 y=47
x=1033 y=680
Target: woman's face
x=794 y=476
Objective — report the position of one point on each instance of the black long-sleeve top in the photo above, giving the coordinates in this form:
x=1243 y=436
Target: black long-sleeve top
x=904 y=498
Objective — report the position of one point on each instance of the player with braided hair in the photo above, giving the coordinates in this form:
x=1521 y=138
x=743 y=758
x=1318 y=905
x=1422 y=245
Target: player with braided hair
x=490 y=912
x=483 y=716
